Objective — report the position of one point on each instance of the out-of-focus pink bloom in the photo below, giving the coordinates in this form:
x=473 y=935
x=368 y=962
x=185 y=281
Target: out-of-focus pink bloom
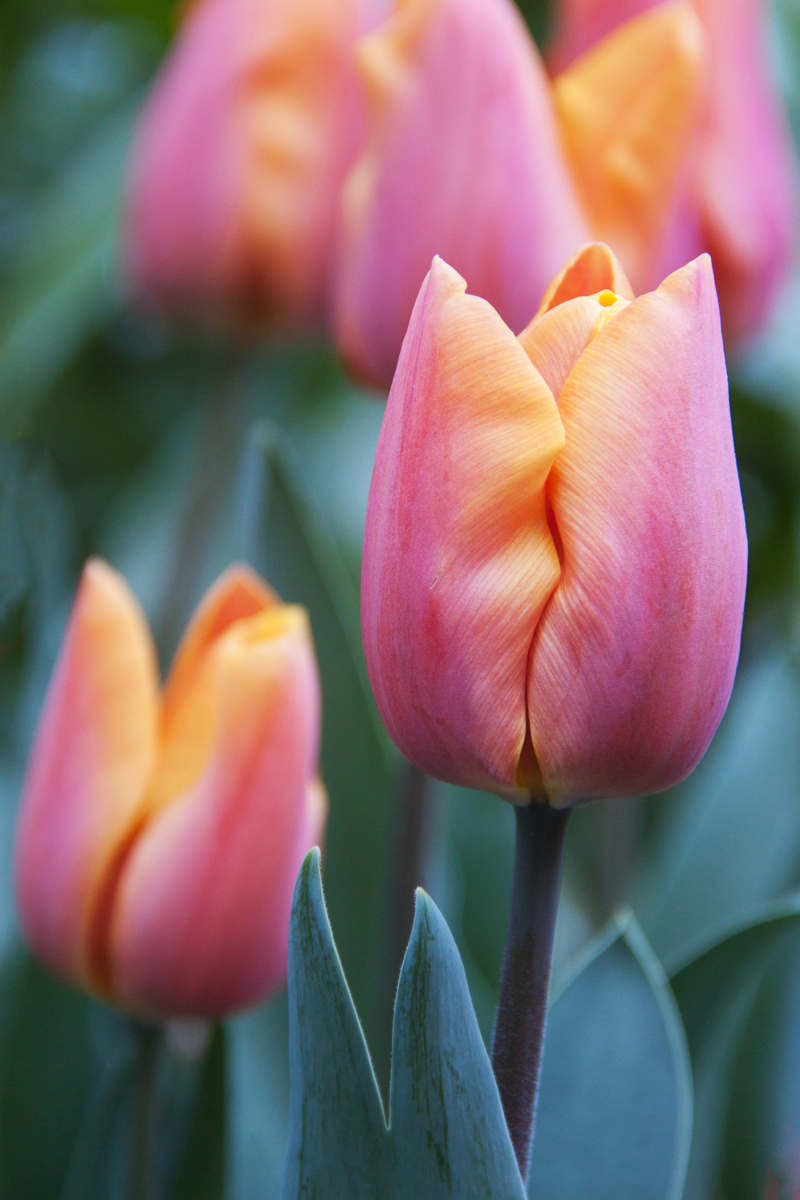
x=471 y=155
x=742 y=203
x=160 y=836
x=239 y=160
x=555 y=552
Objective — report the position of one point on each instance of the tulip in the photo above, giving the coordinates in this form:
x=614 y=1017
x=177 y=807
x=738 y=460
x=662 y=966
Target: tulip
x=741 y=205
x=472 y=155
x=160 y=835
x=238 y=162
x=555 y=552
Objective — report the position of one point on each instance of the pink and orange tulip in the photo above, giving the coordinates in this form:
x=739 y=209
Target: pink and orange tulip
x=472 y=155
x=160 y=833
x=239 y=160
x=740 y=200
x=555 y=553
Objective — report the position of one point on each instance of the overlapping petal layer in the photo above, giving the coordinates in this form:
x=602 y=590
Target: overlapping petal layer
x=555 y=559
x=201 y=915
x=740 y=202
x=463 y=160
x=459 y=559
x=632 y=663
x=627 y=109
x=159 y=840
x=239 y=159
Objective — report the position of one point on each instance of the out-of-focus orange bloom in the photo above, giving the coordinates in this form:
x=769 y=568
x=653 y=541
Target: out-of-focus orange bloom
x=239 y=159
x=470 y=154
x=160 y=835
x=740 y=200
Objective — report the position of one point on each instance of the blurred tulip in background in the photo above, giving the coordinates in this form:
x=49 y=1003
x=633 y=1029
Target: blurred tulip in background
x=287 y=169
x=473 y=156
x=159 y=836
x=239 y=159
x=555 y=553
x=740 y=202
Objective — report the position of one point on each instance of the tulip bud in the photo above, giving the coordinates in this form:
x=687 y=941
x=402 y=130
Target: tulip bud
x=741 y=200
x=472 y=155
x=160 y=835
x=555 y=552
x=239 y=158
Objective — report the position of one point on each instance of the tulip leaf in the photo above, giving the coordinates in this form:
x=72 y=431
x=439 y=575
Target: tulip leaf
x=448 y=1136
x=615 y=1110
x=716 y=989
x=285 y=543
x=728 y=837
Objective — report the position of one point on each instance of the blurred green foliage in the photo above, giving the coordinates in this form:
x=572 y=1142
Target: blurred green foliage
x=136 y=442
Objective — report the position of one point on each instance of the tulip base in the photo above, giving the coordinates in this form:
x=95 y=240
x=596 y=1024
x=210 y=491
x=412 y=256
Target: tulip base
x=525 y=980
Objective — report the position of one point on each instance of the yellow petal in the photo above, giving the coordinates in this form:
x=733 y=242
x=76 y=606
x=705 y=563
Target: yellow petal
x=189 y=705
x=627 y=111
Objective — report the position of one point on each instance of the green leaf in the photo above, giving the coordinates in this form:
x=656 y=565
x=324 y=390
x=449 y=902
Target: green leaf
x=615 y=1110
x=716 y=988
x=285 y=543
x=258 y=1105
x=448 y=1136
x=729 y=836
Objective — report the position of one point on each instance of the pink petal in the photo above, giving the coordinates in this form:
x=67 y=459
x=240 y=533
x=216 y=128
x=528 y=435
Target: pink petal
x=633 y=660
x=201 y=918
x=87 y=777
x=458 y=556
x=463 y=160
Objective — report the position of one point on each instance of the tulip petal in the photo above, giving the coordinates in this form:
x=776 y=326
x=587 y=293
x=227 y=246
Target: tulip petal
x=594 y=268
x=633 y=660
x=187 y=712
x=200 y=924
x=748 y=182
x=458 y=556
x=627 y=110
x=555 y=341
x=88 y=773
x=239 y=160
x=463 y=160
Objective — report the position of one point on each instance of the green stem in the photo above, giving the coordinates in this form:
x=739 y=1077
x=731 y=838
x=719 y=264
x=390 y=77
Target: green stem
x=525 y=981
x=144 y=1177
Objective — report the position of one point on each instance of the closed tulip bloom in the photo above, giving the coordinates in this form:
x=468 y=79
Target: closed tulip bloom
x=160 y=833
x=555 y=552
x=741 y=201
x=239 y=159
x=472 y=155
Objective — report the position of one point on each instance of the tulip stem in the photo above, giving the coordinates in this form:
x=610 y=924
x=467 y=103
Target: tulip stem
x=525 y=980
x=143 y=1177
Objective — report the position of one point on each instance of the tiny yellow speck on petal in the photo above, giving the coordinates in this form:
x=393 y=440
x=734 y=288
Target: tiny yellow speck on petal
x=607 y=298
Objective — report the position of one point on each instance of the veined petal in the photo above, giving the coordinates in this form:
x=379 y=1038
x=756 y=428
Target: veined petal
x=88 y=773
x=200 y=923
x=594 y=268
x=458 y=556
x=627 y=111
x=633 y=660
x=463 y=160
x=555 y=341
